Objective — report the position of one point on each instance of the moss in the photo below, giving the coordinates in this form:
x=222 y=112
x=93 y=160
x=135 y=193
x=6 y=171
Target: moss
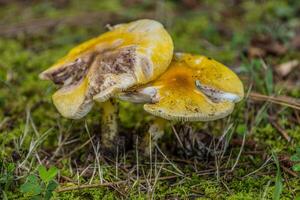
x=87 y=194
x=274 y=141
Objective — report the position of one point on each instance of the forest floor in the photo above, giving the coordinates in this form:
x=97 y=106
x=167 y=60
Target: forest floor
x=252 y=154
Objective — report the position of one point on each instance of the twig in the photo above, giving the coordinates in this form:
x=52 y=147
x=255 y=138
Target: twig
x=108 y=184
x=177 y=136
x=290 y=172
x=66 y=178
x=281 y=100
x=281 y=130
x=175 y=167
x=238 y=142
x=261 y=167
x=297 y=117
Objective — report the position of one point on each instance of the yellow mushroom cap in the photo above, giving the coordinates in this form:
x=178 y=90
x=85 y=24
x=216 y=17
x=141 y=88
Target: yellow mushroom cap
x=194 y=88
x=129 y=54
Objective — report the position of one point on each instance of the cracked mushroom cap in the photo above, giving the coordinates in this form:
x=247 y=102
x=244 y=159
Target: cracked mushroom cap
x=194 y=88
x=127 y=55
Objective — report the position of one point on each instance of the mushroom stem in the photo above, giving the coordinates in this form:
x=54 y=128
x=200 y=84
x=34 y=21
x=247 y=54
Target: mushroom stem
x=155 y=132
x=109 y=125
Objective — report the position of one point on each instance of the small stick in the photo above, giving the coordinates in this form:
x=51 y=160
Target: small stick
x=281 y=130
x=297 y=116
x=281 y=100
x=108 y=184
x=290 y=172
x=67 y=178
x=177 y=136
x=260 y=168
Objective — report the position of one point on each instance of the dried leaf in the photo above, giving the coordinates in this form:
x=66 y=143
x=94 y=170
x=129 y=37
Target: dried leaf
x=285 y=68
x=255 y=52
x=263 y=45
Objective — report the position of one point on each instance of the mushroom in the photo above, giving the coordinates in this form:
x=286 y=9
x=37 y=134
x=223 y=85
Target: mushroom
x=194 y=88
x=127 y=55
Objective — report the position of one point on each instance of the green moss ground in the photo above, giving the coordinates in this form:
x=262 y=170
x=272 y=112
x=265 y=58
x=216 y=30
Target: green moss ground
x=219 y=29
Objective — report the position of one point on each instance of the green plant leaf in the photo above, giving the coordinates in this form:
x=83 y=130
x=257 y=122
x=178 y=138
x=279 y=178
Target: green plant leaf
x=4 y=195
x=37 y=197
x=241 y=129
x=31 y=189
x=278 y=181
x=43 y=173
x=6 y=175
x=50 y=188
x=52 y=172
x=298 y=150
x=47 y=176
x=269 y=80
x=32 y=179
x=295 y=158
x=11 y=167
x=296 y=167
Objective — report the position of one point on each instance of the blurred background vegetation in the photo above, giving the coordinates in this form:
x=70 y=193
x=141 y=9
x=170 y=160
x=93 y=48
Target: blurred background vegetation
x=259 y=40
